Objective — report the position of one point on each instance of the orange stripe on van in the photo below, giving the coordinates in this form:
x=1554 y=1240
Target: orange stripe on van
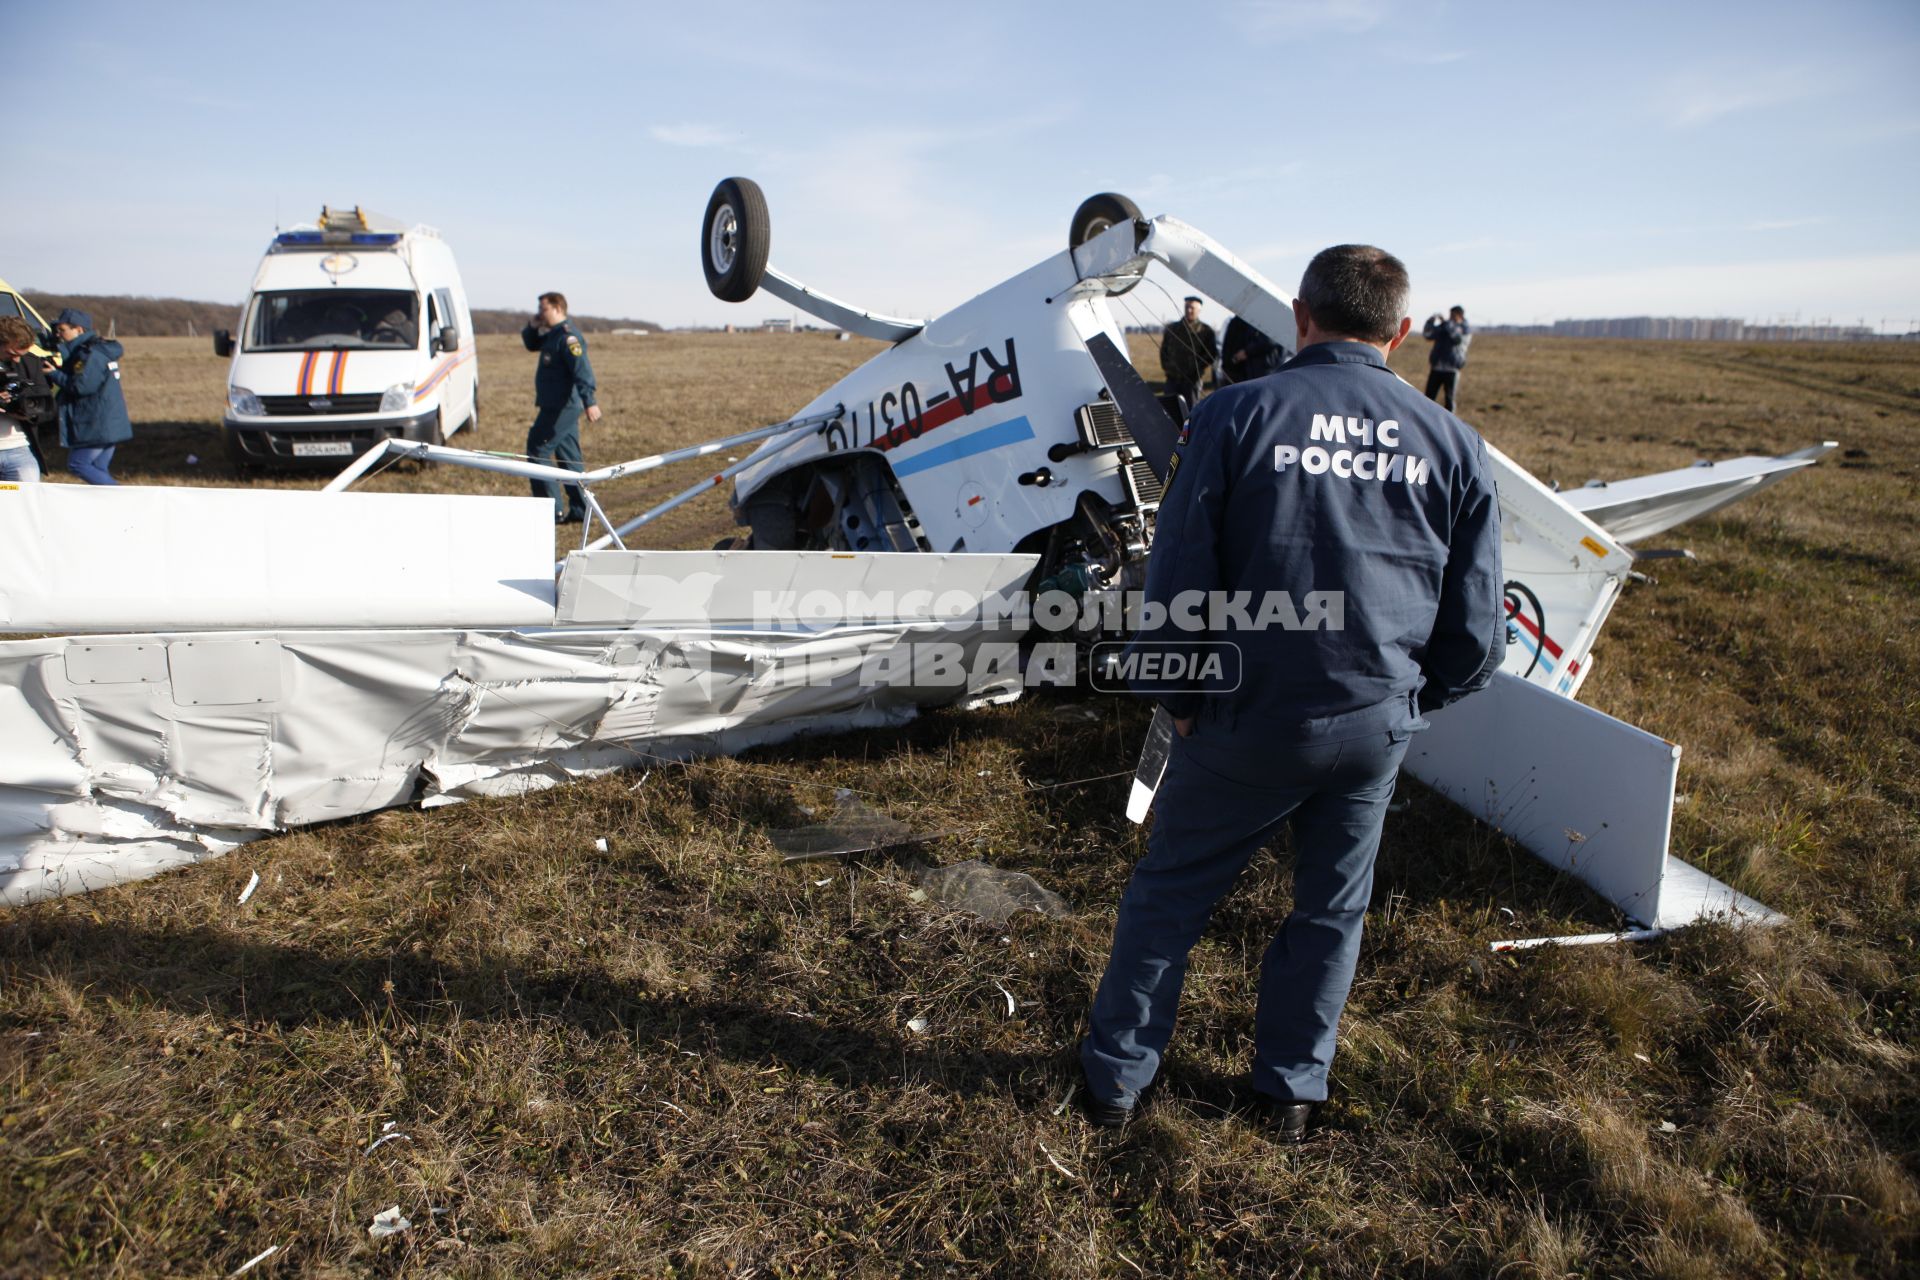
x=439 y=375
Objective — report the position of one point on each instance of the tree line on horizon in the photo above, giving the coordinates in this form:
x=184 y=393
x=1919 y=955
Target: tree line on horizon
x=135 y=317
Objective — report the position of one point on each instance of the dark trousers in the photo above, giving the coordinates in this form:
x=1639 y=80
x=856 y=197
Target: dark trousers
x=554 y=439
x=1225 y=795
x=1191 y=390
x=1443 y=385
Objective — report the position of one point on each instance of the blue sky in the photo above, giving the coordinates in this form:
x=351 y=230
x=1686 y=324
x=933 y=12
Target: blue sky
x=1528 y=161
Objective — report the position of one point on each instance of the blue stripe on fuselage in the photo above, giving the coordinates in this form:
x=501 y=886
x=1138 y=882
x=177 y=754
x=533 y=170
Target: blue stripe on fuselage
x=1013 y=429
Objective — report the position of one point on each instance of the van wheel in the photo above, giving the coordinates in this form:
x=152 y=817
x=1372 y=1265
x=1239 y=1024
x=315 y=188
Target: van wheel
x=237 y=459
x=734 y=239
x=437 y=435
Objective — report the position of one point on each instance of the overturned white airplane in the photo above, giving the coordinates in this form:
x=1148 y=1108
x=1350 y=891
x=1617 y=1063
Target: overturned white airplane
x=359 y=650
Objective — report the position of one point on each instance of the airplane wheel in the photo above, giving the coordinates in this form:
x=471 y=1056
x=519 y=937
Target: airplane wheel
x=1096 y=214
x=734 y=239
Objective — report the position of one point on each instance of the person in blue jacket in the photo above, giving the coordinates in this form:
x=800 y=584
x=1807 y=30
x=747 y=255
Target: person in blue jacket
x=1343 y=533
x=563 y=386
x=93 y=411
x=1246 y=353
x=1447 y=358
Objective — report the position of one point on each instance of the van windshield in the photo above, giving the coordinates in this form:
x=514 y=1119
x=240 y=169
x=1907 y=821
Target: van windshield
x=302 y=319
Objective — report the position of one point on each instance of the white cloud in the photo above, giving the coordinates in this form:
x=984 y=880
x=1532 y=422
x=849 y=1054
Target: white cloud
x=1428 y=57
x=1282 y=20
x=1784 y=224
x=1477 y=244
x=1702 y=95
x=693 y=135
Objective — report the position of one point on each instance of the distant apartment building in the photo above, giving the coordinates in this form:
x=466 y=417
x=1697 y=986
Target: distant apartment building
x=1696 y=328
x=1689 y=328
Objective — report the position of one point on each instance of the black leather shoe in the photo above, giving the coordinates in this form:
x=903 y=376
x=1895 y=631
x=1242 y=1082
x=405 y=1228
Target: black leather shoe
x=572 y=517
x=1104 y=1112
x=1108 y=1115
x=1284 y=1121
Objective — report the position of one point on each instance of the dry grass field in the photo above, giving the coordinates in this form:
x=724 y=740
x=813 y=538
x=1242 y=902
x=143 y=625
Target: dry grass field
x=679 y=1057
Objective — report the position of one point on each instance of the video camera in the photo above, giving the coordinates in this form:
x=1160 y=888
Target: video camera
x=29 y=399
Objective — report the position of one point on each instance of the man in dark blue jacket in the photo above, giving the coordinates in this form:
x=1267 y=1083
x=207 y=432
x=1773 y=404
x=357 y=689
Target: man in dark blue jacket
x=1343 y=533
x=1448 y=357
x=562 y=387
x=1246 y=353
x=93 y=411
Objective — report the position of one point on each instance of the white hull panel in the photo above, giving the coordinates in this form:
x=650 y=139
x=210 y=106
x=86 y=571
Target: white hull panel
x=1582 y=791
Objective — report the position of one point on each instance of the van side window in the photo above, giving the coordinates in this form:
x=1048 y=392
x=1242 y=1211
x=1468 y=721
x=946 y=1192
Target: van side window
x=444 y=297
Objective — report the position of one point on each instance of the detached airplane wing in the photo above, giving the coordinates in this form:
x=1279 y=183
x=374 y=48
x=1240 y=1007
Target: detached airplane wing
x=1645 y=505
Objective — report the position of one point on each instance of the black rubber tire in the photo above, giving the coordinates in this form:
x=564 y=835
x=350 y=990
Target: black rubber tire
x=472 y=429
x=736 y=278
x=1097 y=213
x=438 y=435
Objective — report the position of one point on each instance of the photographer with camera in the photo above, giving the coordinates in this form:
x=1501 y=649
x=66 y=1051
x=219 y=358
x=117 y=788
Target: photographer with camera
x=93 y=411
x=1448 y=357
x=26 y=402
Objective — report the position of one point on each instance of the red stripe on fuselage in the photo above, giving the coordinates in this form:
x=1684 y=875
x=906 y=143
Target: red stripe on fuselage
x=941 y=414
x=1535 y=632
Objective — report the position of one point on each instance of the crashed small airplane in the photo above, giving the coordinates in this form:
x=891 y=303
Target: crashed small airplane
x=365 y=650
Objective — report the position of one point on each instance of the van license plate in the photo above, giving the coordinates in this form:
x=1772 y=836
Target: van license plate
x=323 y=448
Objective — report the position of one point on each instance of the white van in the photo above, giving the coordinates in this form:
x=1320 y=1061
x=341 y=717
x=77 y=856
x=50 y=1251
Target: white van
x=357 y=329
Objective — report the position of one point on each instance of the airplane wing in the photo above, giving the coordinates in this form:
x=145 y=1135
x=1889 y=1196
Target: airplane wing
x=1645 y=505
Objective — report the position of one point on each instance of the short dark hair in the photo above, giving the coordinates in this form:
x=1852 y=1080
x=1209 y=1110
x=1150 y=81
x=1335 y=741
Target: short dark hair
x=1356 y=291
x=559 y=300
x=1459 y=311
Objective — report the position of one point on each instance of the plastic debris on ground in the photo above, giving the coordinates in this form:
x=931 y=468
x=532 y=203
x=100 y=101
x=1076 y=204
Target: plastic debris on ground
x=253 y=1262
x=384 y=1139
x=856 y=827
x=388 y=1222
x=991 y=893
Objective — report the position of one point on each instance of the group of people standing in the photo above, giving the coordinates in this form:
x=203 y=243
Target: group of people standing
x=1189 y=351
x=81 y=391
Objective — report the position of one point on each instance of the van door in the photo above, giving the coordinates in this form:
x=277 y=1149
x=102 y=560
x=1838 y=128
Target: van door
x=457 y=395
